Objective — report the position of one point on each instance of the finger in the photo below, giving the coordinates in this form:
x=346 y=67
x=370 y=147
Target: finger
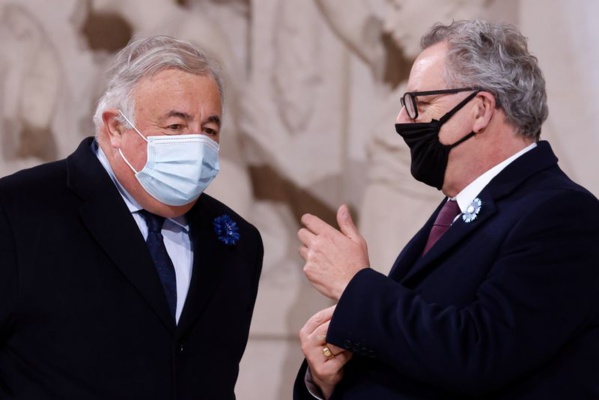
x=313 y=343
x=339 y=360
x=327 y=366
x=305 y=236
x=315 y=224
x=321 y=317
x=303 y=252
x=335 y=350
x=346 y=223
x=327 y=361
x=320 y=333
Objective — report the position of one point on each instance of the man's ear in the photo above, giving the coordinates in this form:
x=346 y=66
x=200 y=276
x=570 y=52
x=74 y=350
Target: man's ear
x=113 y=127
x=484 y=110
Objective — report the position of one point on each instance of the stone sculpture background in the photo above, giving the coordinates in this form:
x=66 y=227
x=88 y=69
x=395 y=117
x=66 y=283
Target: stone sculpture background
x=394 y=205
x=31 y=78
x=313 y=91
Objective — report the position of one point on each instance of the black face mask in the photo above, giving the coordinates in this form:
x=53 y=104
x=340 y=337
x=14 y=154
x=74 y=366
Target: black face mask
x=429 y=156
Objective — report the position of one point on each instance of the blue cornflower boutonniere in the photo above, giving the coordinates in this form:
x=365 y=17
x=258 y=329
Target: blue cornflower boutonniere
x=472 y=211
x=226 y=229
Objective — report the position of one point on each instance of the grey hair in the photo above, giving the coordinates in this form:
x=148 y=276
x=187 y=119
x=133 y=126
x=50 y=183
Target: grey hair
x=145 y=58
x=495 y=57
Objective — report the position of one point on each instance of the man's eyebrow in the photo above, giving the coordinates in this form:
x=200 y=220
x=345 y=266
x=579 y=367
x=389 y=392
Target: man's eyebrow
x=179 y=114
x=213 y=118
x=187 y=117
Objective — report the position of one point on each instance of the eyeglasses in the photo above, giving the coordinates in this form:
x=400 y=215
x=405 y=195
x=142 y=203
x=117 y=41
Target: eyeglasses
x=408 y=100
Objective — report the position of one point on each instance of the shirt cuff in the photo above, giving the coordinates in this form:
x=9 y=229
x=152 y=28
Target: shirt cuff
x=311 y=386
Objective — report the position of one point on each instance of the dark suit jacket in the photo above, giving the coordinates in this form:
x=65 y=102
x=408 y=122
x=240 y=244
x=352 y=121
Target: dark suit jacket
x=503 y=307
x=82 y=311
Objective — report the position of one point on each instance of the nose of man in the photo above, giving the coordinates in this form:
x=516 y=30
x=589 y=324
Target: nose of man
x=402 y=116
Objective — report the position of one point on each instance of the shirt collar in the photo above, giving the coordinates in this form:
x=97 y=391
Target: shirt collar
x=469 y=193
x=131 y=203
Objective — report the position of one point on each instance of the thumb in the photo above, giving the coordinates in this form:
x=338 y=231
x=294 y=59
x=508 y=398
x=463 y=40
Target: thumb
x=346 y=223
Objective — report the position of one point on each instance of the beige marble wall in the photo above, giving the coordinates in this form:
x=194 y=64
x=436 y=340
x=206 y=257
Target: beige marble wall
x=311 y=98
x=564 y=38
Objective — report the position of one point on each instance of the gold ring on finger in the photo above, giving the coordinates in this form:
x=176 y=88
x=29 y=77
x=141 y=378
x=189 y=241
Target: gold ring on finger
x=328 y=354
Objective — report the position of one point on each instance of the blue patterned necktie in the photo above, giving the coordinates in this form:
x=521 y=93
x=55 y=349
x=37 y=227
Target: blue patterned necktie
x=162 y=261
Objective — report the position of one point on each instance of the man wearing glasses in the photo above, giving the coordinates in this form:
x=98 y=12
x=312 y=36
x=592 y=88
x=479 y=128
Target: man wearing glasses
x=497 y=296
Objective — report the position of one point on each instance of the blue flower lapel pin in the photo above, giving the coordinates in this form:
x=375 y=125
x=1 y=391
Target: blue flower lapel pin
x=472 y=211
x=226 y=229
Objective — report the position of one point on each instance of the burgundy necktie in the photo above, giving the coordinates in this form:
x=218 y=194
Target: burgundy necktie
x=444 y=219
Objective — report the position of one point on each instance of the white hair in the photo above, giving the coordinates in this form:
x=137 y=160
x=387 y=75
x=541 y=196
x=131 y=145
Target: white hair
x=145 y=58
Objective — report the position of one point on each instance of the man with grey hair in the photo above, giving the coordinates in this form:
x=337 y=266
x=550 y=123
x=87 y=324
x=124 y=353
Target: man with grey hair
x=497 y=296
x=119 y=277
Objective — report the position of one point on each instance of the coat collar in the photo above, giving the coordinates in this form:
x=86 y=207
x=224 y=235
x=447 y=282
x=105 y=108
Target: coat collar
x=110 y=223
x=411 y=263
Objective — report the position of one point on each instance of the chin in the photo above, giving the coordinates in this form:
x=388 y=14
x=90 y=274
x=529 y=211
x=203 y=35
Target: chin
x=177 y=211
x=167 y=211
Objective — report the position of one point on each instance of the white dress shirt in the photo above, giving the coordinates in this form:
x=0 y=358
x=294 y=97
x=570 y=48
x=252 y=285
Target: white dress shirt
x=175 y=232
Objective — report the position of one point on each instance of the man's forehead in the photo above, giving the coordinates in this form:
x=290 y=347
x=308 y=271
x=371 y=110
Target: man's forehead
x=175 y=86
x=427 y=70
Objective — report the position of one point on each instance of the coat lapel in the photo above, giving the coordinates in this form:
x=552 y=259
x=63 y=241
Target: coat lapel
x=110 y=223
x=411 y=264
x=457 y=233
x=412 y=253
x=210 y=264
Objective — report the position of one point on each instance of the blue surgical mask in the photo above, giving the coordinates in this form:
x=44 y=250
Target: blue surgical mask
x=178 y=168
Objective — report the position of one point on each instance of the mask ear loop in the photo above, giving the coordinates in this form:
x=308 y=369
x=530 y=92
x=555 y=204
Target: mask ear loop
x=454 y=110
x=139 y=133
x=133 y=126
x=457 y=108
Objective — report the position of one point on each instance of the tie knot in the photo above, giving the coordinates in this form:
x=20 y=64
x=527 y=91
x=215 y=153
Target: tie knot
x=448 y=213
x=153 y=221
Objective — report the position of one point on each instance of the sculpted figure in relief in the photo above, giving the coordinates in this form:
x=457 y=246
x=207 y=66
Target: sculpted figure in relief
x=29 y=87
x=388 y=44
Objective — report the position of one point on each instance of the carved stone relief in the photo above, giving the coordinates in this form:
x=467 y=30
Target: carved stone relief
x=312 y=93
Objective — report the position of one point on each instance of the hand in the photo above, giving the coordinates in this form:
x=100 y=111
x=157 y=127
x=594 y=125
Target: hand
x=326 y=372
x=332 y=257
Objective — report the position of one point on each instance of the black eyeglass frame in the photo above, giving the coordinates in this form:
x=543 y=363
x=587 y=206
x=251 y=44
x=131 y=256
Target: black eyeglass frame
x=412 y=97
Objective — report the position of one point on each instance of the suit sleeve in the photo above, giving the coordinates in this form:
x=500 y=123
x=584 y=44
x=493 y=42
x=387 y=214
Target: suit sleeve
x=300 y=388
x=541 y=291
x=8 y=277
